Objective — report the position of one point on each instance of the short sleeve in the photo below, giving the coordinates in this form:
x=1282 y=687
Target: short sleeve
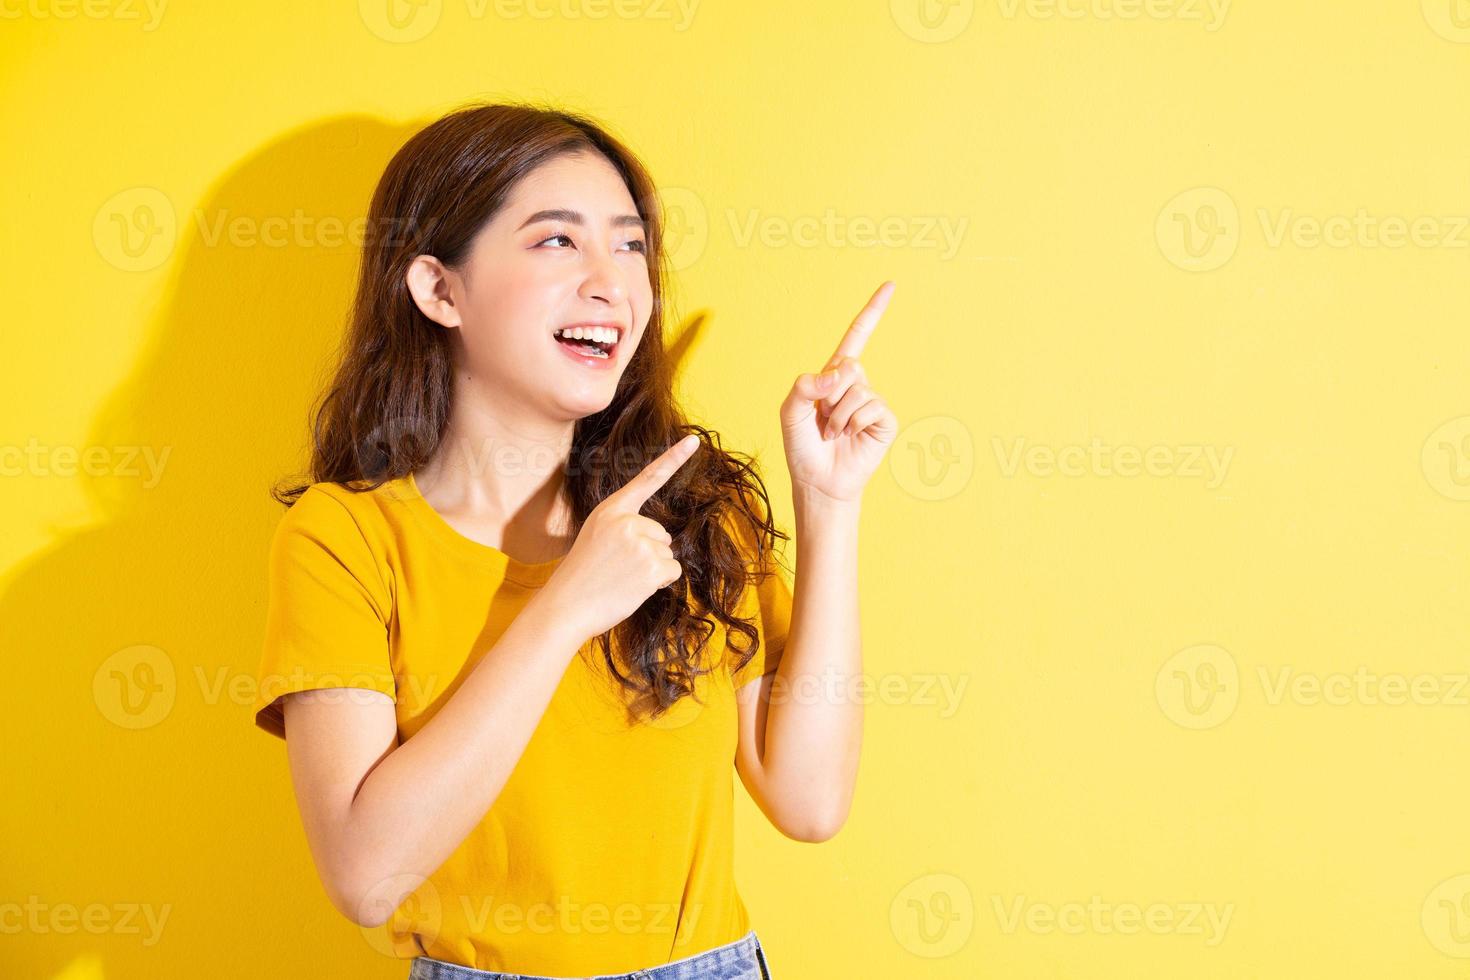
x=326 y=622
x=767 y=603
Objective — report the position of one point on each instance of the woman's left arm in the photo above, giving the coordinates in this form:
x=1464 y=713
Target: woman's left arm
x=801 y=726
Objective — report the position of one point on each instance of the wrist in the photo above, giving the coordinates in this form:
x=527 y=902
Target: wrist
x=551 y=620
x=811 y=501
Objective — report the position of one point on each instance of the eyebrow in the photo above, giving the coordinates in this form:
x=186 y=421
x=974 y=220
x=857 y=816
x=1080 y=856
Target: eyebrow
x=577 y=218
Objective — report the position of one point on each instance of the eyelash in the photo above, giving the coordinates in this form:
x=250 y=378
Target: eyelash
x=642 y=246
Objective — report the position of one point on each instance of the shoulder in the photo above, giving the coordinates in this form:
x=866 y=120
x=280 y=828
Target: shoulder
x=342 y=512
x=332 y=527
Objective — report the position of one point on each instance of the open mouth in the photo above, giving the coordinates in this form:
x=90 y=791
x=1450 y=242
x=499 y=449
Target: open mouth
x=598 y=342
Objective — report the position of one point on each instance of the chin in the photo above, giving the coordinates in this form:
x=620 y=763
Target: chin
x=580 y=408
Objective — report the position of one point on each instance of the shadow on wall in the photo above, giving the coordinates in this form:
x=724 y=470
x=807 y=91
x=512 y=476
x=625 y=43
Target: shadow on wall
x=156 y=830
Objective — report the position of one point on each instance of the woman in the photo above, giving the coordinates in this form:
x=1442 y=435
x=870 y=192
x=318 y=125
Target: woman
x=525 y=615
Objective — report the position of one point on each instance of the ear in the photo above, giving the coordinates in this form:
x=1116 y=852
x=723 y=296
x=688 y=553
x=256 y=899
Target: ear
x=433 y=288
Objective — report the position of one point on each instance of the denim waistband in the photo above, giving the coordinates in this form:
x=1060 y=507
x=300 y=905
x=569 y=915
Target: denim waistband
x=743 y=959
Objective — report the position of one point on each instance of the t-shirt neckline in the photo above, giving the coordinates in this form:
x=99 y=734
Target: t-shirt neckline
x=520 y=572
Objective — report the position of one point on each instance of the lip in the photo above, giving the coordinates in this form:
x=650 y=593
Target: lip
x=595 y=363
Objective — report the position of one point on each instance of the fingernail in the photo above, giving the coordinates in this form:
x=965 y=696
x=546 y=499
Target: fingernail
x=827 y=379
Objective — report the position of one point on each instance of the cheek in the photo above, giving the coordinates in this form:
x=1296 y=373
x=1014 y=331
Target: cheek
x=509 y=303
x=641 y=299
x=496 y=324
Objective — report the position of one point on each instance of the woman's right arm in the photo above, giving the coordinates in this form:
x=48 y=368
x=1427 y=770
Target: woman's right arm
x=380 y=816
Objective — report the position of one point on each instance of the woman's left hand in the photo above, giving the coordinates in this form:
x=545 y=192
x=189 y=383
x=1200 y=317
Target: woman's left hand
x=840 y=466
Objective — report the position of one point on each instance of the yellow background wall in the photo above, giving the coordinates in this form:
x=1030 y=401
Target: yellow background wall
x=1162 y=588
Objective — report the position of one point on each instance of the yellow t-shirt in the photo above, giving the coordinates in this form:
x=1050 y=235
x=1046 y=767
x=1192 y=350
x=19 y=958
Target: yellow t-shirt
x=610 y=848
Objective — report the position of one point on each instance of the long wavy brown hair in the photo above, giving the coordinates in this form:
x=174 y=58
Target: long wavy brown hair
x=386 y=408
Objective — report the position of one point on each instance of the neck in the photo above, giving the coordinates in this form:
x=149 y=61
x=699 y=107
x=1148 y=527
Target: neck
x=497 y=464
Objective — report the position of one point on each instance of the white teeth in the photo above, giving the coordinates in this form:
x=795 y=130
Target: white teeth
x=605 y=335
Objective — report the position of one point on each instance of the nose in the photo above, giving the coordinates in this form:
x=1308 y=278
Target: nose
x=604 y=280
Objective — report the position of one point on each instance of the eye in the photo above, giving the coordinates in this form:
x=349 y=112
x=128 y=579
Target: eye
x=639 y=245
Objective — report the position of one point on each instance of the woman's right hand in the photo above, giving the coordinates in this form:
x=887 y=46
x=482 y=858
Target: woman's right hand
x=619 y=557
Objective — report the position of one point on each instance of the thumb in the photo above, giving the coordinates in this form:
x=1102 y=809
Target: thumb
x=801 y=403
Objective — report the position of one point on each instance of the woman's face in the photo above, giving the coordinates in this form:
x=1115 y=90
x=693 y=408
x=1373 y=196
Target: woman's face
x=567 y=248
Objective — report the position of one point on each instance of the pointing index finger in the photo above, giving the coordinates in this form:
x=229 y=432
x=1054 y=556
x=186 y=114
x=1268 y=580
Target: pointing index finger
x=635 y=493
x=863 y=324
